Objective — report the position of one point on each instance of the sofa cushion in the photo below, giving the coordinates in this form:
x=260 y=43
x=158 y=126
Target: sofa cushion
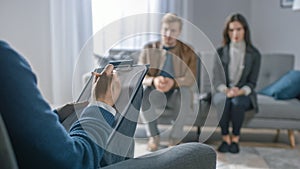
x=285 y=88
x=281 y=109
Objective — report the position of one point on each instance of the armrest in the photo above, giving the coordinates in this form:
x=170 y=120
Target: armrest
x=187 y=155
x=205 y=96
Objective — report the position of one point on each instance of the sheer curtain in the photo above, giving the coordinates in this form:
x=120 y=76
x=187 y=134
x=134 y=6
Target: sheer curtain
x=183 y=9
x=107 y=13
x=71 y=27
x=179 y=7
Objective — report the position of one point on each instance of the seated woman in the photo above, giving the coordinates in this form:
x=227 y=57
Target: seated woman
x=241 y=63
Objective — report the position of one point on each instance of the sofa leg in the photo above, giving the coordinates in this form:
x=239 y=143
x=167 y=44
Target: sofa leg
x=292 y=138
x=277 y=135
x=198 y=131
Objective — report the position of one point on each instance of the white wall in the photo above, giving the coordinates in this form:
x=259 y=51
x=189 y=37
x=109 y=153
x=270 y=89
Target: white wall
x=210 y=15
x=25 y=25
x=276 y=29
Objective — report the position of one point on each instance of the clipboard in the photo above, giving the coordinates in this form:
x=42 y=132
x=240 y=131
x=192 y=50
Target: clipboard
x=131 y=78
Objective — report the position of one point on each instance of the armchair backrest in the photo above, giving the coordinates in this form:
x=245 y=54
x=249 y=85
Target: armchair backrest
x=272 y=67
x=7 y=157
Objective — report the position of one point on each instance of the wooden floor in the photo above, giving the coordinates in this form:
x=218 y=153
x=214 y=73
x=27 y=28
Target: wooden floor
x=258 y=149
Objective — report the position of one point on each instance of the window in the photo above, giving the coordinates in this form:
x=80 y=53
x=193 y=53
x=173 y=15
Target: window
x=106 y=12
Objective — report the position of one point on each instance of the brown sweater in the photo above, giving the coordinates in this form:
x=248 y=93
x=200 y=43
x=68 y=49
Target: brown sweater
x=184 y=63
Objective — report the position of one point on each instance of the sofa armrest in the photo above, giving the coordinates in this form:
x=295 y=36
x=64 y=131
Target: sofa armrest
x=205 y=96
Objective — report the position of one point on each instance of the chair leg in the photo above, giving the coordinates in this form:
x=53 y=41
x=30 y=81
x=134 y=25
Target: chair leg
x=198 y=130
x=277 y=135
x=292 y=138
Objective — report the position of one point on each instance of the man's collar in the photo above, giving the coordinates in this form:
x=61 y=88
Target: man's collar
x=169 y=47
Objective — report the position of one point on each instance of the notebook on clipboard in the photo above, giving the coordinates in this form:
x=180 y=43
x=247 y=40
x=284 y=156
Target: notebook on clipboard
x=131 y=77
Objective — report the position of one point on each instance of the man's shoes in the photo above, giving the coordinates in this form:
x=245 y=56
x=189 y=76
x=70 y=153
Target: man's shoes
x=224 y=147
x=234 y=148
x=153 y=143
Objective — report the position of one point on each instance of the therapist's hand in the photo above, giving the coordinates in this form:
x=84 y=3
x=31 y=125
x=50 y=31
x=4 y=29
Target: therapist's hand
x=106 y=86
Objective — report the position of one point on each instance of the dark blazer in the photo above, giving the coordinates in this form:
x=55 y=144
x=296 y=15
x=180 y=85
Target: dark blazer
x=249 y=75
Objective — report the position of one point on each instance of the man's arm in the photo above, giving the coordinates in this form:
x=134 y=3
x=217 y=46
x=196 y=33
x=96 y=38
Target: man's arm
x=143 y=59
x=189 y=76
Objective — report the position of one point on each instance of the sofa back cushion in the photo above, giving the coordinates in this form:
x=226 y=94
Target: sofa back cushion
x=273 y=67
x=206 y=71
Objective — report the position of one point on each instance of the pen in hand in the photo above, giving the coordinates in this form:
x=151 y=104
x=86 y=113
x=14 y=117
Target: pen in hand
x=96 y=74
x=101 y=74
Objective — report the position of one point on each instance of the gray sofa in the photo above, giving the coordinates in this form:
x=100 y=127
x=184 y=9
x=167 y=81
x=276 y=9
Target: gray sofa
x=273 y=114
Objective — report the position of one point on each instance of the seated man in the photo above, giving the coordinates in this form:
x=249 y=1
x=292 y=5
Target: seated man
x=171 y=74
x=40 y=141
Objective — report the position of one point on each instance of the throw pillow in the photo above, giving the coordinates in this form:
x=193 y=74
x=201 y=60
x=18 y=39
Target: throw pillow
x=287 y=87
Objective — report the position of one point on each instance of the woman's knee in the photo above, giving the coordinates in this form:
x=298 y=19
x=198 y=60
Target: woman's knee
x=242 y=102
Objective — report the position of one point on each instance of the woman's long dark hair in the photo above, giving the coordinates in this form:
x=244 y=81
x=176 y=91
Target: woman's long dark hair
x=241 y=19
